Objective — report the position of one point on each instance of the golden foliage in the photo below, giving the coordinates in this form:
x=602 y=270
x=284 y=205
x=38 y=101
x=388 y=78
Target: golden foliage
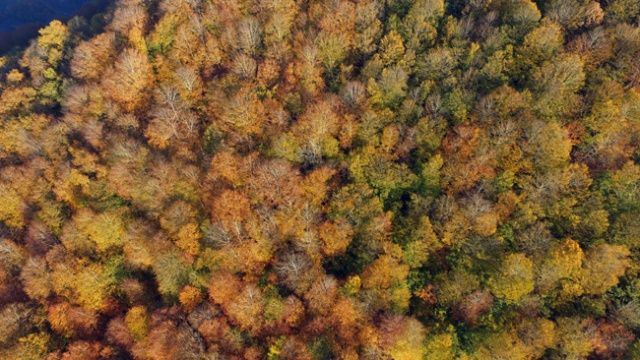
x=190 y=297
x=137 y=321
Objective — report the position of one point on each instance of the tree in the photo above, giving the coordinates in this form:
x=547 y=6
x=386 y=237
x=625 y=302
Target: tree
x=190 y=297
x=322 y=295
x=129 y=14
x=346 y=318
x=172 y=118
x=72 y=321
x=277 y=29
x=92 y=285
x=229 y=210
x=540 y=45
x=368 y=27
x=129 y=19
x=573 y=14
x=419 y=26
x=403 y=337
x=52 y=39
x=501 y=345
x=247 y=309
x=626 y=231
x=440 y=346
x=224 y=287
x=244 y=113
x=15 y=76
x=390 y=89
x=275 y=181
x=106 y=230
x=425 y=242
x=188 y=239
x=384 y=273
x=538 y=335
x=295 y=271
x=15 y=319
x=318 y=125
x=389 y=178
x=32 y=346
x=452 y=286
x=173 y=340
x=386 y=278
x=545 y=155
x=171 y=273
x=515 y=279
x=335 y=237
x=84 y=350
x=91 y=58
x=523 y=15
x=17 y=99
x=574 y=336
x=625 y=185
x=333 y=48
x=563 y=261
x=555 y=82
x=10 y=212
x=35 y=278
x=612 y=340
x=137 y=321
x=473 y=306
x=602 y=267
x=128 y=80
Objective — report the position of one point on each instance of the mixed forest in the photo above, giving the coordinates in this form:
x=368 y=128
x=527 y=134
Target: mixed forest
x=324 y=179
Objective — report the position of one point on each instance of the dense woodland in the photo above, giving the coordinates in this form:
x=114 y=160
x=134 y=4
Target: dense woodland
x=324 y=179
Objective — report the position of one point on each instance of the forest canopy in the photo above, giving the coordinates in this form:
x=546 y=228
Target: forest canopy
x=324 y=179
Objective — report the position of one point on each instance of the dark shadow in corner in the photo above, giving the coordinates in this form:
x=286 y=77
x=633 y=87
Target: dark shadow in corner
x=22 y=34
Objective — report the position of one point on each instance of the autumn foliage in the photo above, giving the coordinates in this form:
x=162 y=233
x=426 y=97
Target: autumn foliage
x=326 y=179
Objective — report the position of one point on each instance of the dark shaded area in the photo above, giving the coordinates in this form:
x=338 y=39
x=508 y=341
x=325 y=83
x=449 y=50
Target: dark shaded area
x=20 y=20
x=14 y=13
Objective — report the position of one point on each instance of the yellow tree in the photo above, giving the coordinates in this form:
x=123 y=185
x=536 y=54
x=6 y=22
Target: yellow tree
x=440 y=346
x=92 y=285
x=538 y=335
x=386 y=276
x=244 y=113
x=106 y=230
x=514 y=279
x=137 y=321
x=52 y=38
x=402 y=337
x=574 y=339
x=188 y=239
x=563 y=261
x=10 y=211
x=602 y=267
x=551 y=146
